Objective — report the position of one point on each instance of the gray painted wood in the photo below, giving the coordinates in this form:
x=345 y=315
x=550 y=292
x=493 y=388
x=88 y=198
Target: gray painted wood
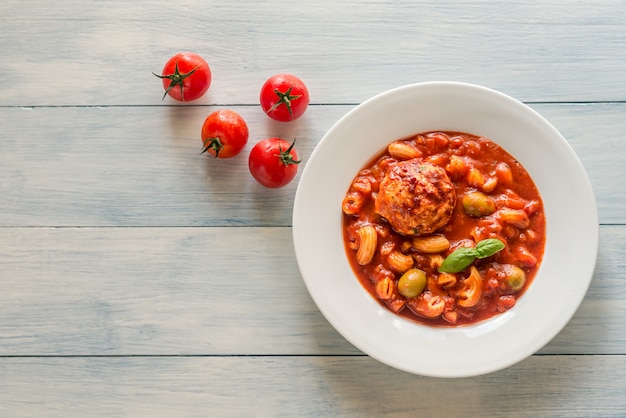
x=158 y=291
x=103 y=52
x=141 y=166
x=541 y=386
x=210 y=291
x=139 y=278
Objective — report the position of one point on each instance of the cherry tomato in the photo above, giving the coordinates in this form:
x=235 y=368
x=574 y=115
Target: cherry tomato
x=186 y=76
x=224 y=134
x=273 y=162
x=284 y=97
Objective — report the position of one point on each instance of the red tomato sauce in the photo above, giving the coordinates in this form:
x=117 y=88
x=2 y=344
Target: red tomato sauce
x=495 y=198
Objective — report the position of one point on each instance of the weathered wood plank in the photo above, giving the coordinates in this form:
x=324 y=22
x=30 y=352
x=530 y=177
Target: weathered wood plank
x=137 y=166
x=541 y=386
x=141 y=166
x=117 y=239
x=156 y=290
x=130 y=291
x=346 y=52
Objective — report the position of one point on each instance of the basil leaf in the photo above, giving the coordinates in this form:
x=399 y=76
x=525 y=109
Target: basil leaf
x=488 y=247
x=458 y=260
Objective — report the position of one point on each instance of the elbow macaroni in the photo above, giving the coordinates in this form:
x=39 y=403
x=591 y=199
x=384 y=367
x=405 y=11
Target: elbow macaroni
x=431 y=244
x=367 y=245
x=399 y=262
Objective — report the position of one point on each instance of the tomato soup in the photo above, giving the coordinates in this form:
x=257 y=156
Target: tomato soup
x=444 y=228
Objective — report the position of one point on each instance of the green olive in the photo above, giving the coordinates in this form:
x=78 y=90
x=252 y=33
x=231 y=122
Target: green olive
x=478 y=204
x=515 y=277
x=412 y=283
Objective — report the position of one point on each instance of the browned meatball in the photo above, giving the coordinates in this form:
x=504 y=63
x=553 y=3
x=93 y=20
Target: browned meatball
x=416 y=197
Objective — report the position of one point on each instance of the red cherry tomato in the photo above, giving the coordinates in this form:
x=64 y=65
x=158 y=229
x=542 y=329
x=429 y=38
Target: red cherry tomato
x=224 y=134
x=273 y=162
x=284 y=97
x=186 y=77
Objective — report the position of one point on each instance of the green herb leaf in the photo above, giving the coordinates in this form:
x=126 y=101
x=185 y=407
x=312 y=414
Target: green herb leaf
x=458 y=260
x=488 y=247
x=462 y=257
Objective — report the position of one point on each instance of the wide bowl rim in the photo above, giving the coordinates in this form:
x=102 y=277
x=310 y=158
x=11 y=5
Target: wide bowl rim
x=441 y=337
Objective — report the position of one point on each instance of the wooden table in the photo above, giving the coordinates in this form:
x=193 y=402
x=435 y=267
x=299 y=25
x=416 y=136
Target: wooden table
x=140 y=278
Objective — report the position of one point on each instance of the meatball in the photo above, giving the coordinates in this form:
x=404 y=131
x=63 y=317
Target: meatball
x=416 y=197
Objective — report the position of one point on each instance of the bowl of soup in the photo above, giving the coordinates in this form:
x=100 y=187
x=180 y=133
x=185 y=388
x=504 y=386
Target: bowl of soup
x=435 y=226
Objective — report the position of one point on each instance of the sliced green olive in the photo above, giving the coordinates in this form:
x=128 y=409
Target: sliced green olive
x=412 y=283
x=515 y=277
x=478 y=204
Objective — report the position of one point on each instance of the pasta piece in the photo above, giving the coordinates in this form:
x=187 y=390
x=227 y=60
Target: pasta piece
x=490 y=185
x=431 y=244
x=438 y=159
x=403 y=151
x=353 y=203
x=532 y=207
x=399 y=262
x=384 y=289
x=363 y=185
x=475 y=178
x=472 y=289
x=446 y=280
x=427 y=305
x=451 y=316
x=368 y=241
x=504 y=173
x=406 y=246
x=515 y=217
x=456 y=167
x=525 y=257
x=505 y=303
x=435 y=261
x=511 y=200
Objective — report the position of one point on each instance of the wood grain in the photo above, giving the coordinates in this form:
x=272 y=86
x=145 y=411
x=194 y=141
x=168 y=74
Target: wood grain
x=103 y=52
x=542 y=386
x=139 y=278
x=133 y=291
x=141 y=166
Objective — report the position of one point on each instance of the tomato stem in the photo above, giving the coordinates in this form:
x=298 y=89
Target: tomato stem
x=176 y=79
x=212 y=144
x=285 y=98
x=285 y=156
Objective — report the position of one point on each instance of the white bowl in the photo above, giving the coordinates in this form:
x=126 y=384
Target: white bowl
x=571 y=230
